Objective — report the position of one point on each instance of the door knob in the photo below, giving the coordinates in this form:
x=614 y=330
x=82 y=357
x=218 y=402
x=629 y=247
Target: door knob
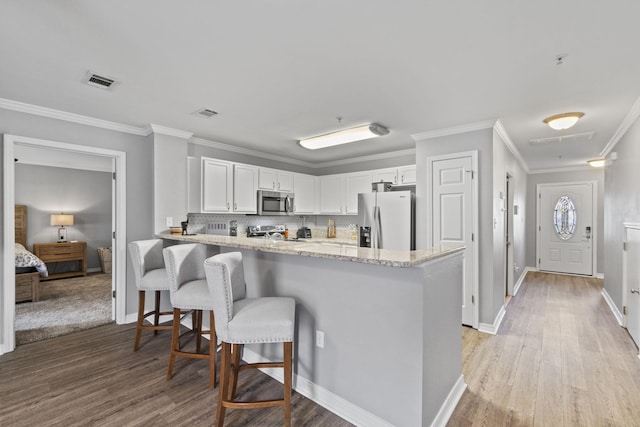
x=635 y=291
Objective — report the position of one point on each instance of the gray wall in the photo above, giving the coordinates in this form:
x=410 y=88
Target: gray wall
x=85 y=194
x=139 y=152
x=170 y=179
x=622 y=204
x=591 y=174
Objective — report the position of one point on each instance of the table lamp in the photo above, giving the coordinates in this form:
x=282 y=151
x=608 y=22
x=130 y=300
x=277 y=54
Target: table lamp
x=60 y=220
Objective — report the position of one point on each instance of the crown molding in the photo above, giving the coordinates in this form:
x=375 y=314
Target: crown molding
x=563 y=169
x=453 y=130
x=502 y=133
x=169 y=131
x=628 y=121
x=22 y=107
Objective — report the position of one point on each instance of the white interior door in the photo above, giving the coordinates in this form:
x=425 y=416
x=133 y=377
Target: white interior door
x=565 y=228
x=632 y=282
x=452 y=217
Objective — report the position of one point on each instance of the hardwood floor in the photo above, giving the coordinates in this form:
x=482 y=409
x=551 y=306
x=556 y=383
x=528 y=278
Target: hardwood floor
x=559 y=359
x=94 y=378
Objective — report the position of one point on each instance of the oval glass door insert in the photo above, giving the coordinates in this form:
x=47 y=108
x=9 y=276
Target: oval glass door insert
x=565 y=218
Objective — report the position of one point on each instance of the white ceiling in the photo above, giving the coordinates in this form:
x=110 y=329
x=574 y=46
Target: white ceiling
x=277 y=71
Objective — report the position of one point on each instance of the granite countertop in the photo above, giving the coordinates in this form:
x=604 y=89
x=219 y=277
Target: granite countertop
x=339 y=249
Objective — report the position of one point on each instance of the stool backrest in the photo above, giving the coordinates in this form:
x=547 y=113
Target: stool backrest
x=184 y=263
x=225 y=277
x=146 y=255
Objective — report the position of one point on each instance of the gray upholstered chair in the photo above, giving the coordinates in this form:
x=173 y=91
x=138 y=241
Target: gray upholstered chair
x=150 y=275
x=189 y=291
x=241 y=320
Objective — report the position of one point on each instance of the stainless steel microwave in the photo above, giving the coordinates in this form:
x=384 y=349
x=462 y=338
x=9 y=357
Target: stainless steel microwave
x=275 y=203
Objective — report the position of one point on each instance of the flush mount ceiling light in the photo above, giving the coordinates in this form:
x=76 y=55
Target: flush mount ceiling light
x=344 y=136
x=597 y=163
x=563 y=121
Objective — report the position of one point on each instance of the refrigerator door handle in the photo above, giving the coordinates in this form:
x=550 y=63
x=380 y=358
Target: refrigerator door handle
x=377 y=228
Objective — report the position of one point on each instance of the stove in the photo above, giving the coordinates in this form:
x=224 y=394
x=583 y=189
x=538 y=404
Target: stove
x=263 y=230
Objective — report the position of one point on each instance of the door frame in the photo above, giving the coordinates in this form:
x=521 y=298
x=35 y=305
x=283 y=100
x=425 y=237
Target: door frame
x=475 y=215
x=594 y=221
x=625 y=284
x=118 y=223
x=508 y=234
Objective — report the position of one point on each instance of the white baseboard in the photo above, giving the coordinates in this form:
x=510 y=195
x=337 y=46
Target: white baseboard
x=493 y=328
x=612 y=306
x=94 y=270
x=450 y=403
x=599 y=276
x=516 y=287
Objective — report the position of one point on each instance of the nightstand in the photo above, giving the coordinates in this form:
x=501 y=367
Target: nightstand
x=59 y=252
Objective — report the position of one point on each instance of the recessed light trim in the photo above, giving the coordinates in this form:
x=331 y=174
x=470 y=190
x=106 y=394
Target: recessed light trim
x=563 y=121
x=344 y=136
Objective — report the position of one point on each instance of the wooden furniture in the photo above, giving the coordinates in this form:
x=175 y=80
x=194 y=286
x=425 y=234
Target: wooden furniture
x=59 y=252
x=27 y=284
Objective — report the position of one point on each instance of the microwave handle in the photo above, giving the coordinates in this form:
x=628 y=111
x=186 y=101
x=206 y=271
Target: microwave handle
x=287 y=205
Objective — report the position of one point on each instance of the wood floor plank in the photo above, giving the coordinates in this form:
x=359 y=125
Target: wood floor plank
x=558 y=359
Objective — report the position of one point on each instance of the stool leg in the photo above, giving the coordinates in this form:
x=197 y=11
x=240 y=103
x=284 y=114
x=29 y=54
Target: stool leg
x=288 y=356
x=156 y=313
x=175 y=341
x=236 y=352
x=225 y=368
x=136 y=344
x=198 y=331
x=213 y=343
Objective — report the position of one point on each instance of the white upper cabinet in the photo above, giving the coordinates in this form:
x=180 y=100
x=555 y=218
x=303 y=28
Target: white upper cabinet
x=304 y=189
x=245 y=185
x=385 y=175
x=332 y=194
x=407 y=174
x=357 y=182
x=217 y=176
x=276 y=180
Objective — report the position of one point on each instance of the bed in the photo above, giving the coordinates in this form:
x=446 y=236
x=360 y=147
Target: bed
x=29 y=268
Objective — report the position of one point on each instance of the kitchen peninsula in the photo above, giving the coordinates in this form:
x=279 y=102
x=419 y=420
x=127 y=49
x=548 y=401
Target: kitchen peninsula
x=378 y=337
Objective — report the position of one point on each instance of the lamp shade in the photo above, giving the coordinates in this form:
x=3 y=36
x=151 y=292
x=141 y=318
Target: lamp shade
x=61 y=219
x=563 y=121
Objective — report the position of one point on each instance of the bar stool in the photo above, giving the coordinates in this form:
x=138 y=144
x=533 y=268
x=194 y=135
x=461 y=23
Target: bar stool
x=189 y=291
x=150 y=275
x=241 y=320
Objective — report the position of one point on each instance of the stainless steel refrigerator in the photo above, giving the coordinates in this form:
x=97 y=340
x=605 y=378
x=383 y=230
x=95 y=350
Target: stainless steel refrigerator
x=386 y=220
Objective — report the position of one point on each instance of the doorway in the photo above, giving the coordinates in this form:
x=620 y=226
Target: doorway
x=565 y=237
x=118 y=215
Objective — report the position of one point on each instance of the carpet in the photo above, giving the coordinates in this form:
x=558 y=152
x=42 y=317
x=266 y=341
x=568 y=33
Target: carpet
x=65 y=306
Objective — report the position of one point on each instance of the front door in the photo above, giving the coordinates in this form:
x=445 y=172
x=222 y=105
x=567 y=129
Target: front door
x=452 y=216
x=632 y=282
x=565 y=228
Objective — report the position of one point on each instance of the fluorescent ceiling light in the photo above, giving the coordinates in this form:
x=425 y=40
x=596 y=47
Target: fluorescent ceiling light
x=563 y=121
x=344 y=136
x=597 y=163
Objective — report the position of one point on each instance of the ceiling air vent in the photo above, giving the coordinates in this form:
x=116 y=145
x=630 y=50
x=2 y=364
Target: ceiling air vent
x=206 y=112
x=96 y=80
x=576 y=137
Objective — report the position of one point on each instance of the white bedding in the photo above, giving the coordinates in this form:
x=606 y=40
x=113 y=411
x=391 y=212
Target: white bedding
x=24 y=258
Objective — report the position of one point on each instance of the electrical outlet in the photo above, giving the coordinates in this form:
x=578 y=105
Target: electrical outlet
x=319 y=339
x=169 y=221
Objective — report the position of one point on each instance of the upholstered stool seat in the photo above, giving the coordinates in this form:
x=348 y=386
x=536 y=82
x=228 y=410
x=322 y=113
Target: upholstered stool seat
x=241 y=320
x=150 y=275
x=189 y=291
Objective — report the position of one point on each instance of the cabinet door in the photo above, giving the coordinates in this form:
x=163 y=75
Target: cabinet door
x=245 y=182
x=356 y=183
x=216 y=185
x=304 y=189
x=267 y=179
x=331 y=194
x=386 y=175
x=407 y=174
x=285 y=181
